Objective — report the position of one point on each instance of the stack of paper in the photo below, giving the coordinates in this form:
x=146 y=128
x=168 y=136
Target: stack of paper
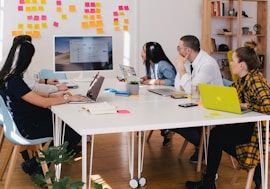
x=100 y=108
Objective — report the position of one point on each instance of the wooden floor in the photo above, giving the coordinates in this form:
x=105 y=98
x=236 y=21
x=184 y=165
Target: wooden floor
x=161 y=168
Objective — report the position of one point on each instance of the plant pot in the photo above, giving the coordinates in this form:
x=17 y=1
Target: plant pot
x=133 y=88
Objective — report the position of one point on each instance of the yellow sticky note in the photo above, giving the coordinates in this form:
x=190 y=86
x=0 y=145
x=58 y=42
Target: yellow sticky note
x=85 y=16
x=99 y=30
x=64 y=16
x=34 y=1
x=72 y=8
x=36 y=26
x=40 y=8
x=125 y=28
x=44 y=25
x=36 y=34
x=126 y=21
x=122 y=13
x=34 y=8
x=98 y=4
x=58 y=9
x=30 y=26
x=85 y=25
x=20 y=26
x=43 y=2
x=28 y=9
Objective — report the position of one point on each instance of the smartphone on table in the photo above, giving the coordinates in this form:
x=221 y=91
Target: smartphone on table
x=186 y=105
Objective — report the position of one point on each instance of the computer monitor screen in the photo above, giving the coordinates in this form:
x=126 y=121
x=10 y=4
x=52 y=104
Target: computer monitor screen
x=82 y=53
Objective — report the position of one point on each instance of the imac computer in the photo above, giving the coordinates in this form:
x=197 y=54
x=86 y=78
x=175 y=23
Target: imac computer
x=82 y=53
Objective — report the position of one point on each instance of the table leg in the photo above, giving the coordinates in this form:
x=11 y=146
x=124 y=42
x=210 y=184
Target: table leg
x=57 y=136
x=264 y=156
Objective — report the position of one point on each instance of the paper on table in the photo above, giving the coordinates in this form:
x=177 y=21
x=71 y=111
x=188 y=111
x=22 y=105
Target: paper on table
x=100 y=108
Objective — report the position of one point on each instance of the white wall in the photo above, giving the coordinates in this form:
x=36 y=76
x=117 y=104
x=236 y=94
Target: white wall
x=150 y=20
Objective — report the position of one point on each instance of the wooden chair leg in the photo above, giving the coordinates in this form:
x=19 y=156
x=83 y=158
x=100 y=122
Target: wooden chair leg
x=43 y=164
x=250 y=178
x=7 y=156
x=1 y=138
x=199 y=164
x=232 y=161
x=184 y=145
x=12 y=164
x=149 y=135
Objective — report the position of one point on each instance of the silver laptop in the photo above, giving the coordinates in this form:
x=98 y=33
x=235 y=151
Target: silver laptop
x=165 y=91
x=129 y=73
x=94 y=89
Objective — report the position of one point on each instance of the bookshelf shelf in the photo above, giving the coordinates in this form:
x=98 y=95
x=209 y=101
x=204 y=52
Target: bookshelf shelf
x=234 y=23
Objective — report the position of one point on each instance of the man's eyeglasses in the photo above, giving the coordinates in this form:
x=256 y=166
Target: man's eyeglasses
x=179 y=48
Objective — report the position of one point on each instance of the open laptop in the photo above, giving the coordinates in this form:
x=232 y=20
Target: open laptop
x=129 y=73
x=94 y=89
x=220 y=98
x=165 y=91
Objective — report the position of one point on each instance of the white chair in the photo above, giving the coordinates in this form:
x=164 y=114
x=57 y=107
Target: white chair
x=46 y=73
x=13 y=135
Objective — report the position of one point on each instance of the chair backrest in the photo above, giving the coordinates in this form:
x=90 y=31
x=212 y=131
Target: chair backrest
x=11 y=131
x=46 y=73
x=227 y=82
x=229 y=55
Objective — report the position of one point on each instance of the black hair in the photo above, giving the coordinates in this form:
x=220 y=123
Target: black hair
x=155 y=53
x=192 y=42
x=18 y=60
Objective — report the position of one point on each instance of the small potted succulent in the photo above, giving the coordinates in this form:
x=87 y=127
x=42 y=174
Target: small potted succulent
x=133 y=87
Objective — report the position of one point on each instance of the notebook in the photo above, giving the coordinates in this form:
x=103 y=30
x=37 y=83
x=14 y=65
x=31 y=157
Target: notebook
x=220 y=98
x=165 y=91
x=129 y=73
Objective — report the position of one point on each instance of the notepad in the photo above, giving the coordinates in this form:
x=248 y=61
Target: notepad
x=100 y=108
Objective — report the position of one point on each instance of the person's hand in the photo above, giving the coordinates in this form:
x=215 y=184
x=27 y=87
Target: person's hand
x=52 y=81
x=60 y=93
x=62 y=87
x=148 y=82
x=78 y=98
x=143 y=80
x=244 y=105
x=180 y=63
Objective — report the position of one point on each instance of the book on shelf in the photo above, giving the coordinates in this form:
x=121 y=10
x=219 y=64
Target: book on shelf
x=213 y=45
x=218 y=8
x=100 y=108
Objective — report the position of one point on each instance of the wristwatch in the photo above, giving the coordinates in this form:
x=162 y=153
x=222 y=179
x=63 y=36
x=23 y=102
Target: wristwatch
x=66 y=98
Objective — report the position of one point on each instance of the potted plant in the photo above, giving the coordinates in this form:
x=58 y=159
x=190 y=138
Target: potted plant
x=57 y=155
x=133 y=87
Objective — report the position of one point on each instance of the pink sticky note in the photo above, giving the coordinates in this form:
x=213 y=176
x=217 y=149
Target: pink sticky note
x=59 y=3
x=55 y=24
x=36 y=18
x=43 y=17
x=123 y=111
x=115 y=13
x=87 y=4
x=120 y=7
x=126 y=8
x=20 y=8
x=30 y=17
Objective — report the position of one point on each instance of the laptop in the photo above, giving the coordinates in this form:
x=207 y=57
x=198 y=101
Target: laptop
x=129 y=73
x=221 y=98
x=94 y=89
x=165 y=91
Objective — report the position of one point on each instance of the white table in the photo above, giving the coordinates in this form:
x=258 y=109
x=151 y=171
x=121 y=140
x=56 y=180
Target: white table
x=148 y=112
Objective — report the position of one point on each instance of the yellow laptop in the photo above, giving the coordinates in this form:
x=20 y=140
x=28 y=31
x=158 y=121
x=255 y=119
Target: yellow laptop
x=220 y=98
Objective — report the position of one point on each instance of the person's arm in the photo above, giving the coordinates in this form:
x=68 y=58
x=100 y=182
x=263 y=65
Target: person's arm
x=47 y=100
x=35 y=86
x=167 y=73
x=259 y=101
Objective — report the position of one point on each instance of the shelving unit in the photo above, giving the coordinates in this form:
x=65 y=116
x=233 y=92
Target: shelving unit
x=234 y=23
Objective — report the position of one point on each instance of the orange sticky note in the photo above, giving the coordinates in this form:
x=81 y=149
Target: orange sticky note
x=72 y=8
x=99 y=30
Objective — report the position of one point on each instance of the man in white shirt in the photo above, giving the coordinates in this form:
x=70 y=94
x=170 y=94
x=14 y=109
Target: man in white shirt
x=51 y=85
x=204 y=69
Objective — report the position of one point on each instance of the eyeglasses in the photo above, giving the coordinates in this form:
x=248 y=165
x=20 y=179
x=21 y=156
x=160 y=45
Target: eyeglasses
x=179 y=48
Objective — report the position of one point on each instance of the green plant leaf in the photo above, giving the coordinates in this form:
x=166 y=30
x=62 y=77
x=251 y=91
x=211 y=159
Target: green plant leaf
x=97 y=185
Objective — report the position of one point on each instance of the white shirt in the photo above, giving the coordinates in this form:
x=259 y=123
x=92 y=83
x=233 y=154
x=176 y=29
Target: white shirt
x=205 y=70
x=36 y=86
